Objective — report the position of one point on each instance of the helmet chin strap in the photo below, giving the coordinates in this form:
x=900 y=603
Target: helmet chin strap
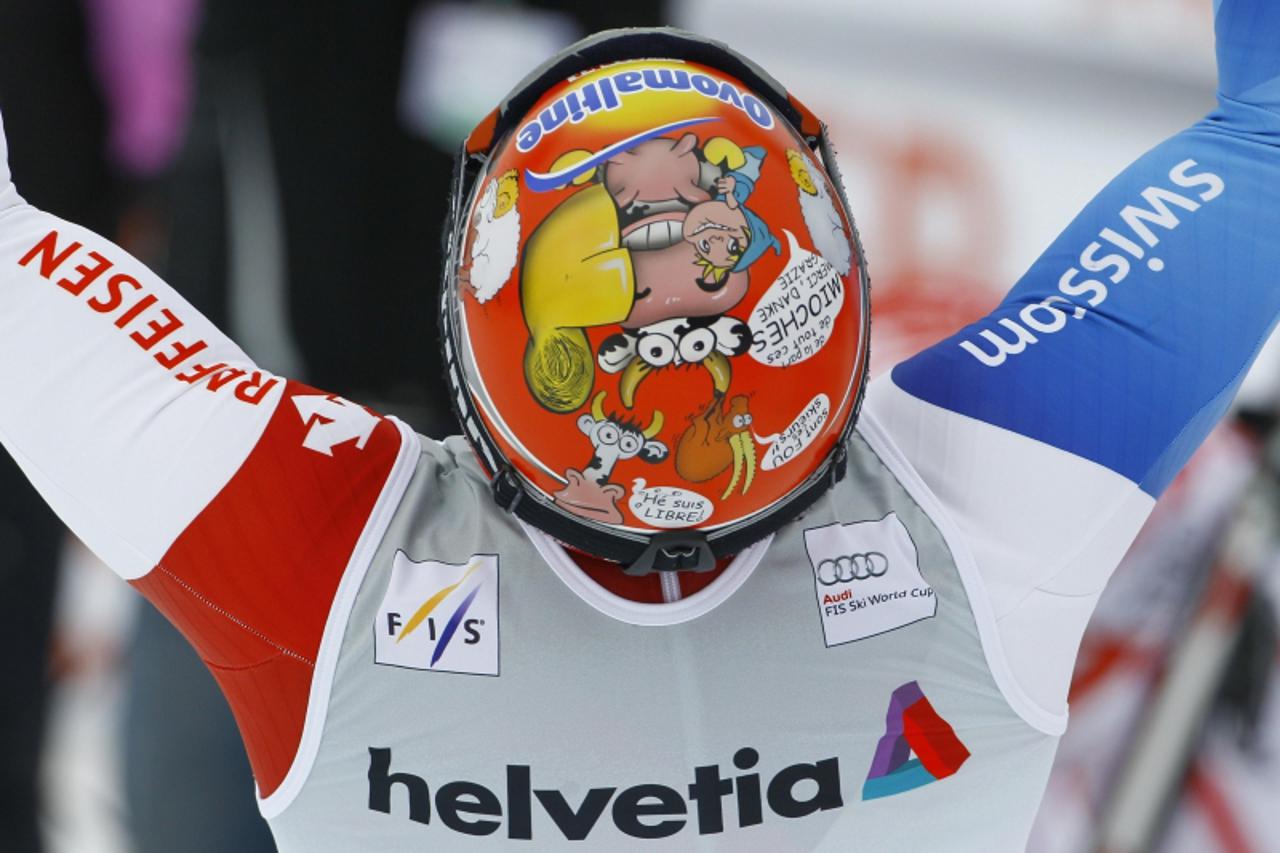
x=671 y=591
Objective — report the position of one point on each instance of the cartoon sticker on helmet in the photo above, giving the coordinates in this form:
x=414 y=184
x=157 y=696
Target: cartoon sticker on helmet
x=796 y=316
x=588 y=492
x=726 y=234
x=493 y=241
x=717 y=440
x=799 y=434
x=638 y=244
x=668 y=507
x=707 y=341
x=826 y=228
x=644 y=244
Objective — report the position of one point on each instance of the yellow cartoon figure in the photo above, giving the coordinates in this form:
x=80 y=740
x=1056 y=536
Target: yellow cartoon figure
x=800 y=172
x=615 y=252
x=575 y=275
x=507 y=193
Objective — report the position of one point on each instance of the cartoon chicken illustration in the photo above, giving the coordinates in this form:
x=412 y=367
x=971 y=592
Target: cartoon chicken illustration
x=718 y=439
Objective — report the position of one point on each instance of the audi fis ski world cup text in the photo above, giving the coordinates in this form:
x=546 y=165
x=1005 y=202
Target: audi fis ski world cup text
x=867 y=579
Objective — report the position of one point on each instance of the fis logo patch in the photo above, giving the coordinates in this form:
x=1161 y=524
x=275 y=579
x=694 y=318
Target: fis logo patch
x=918 y=746
x=867 y=579
x=440 y=617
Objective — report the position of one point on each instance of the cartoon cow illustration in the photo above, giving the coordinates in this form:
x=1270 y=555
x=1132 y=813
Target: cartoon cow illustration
x=588 y=492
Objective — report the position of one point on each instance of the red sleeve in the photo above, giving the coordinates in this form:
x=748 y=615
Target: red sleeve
x=251 y=580
x=232 y=499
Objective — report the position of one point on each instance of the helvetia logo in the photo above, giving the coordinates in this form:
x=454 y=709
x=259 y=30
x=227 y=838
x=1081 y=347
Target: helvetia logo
x=918 y=747
x=440 y=616
x=647 y=811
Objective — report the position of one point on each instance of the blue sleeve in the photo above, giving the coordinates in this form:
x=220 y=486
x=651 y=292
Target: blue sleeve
x=1126 y=340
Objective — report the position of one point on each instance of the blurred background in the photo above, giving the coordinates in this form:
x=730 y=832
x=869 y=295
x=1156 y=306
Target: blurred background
x=285 y=166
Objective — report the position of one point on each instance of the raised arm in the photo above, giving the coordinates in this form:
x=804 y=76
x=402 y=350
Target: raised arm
x=232 y=498
x=1049 y=428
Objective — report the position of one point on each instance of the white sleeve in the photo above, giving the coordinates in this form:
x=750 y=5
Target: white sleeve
x=126 y=408
x=1045 y=528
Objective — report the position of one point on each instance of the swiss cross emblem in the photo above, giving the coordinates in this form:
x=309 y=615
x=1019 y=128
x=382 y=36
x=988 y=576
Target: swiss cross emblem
x=331 y=421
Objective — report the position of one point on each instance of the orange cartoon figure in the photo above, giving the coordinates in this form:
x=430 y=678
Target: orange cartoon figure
x=716 y=441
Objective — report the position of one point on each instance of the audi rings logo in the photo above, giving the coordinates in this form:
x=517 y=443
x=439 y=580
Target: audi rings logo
x=852 y=567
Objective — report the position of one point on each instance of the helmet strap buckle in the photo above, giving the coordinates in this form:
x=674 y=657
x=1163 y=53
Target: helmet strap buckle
x=839 y=462
x=506 y=489
x=674 y=552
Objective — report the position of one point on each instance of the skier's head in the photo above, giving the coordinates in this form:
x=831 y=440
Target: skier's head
x=655 y=307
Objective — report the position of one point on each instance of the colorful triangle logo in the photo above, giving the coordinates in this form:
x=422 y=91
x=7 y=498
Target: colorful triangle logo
x=918 y=746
